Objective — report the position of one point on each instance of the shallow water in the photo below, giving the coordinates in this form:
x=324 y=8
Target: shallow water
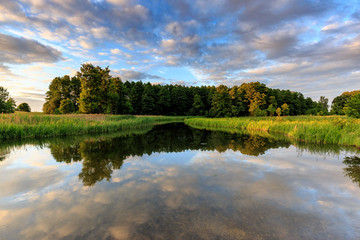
x=175 y=182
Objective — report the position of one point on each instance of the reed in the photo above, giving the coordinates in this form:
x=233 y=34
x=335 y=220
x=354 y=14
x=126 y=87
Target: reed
x=35 y=125
x=329 y=130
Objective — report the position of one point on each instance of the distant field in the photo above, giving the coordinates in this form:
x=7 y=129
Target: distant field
x=329 y=129
x=25 y=125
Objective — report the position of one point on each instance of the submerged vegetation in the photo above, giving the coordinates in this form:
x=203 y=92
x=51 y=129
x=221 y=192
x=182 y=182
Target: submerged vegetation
x=24 y=125
x=330 y=130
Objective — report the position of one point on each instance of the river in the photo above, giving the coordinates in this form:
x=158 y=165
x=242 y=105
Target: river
x=177 y=182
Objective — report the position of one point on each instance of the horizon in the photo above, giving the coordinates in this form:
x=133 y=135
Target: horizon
x=312 y=47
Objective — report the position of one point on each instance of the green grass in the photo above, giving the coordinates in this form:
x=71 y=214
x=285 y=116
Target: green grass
x=329 y=130
x=35 y=125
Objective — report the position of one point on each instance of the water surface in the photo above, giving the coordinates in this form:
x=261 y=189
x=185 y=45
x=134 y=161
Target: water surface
x=176 y=182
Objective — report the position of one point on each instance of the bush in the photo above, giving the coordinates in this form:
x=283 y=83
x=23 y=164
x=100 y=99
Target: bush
x=24 y=107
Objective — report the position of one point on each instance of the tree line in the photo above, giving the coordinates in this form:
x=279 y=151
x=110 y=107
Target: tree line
x=94 y=90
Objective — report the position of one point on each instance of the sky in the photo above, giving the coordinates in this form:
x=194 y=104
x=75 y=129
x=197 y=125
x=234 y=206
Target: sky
x=309 y=46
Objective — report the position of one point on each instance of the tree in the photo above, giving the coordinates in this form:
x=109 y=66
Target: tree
x=24 y=107
x=135 y=97
x=198 y=107
x=148 y=100
x=66 y=106
x=94 y=83
x=254 y=95
x=271 y=109
x=10 y=105
x=221 y=102
x=285 y=109
x=352 y=108
x=339 y=102
x=323 y=105
x=61 y=88
x=164 y=100
x=7 y=104
x=179 y=100
x=238 y=106
x=119 y=102
x=278 y=111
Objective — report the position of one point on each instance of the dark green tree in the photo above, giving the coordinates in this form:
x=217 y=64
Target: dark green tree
x=135 y=95
x=179 y=100
x=238 y=105
x=271 y=110
x=66 y=106
x=7 y=104
x=323 y=106
x=221 y=102
x=198 y=107
x=339 y=102
x=148 y=104
x=352 y=108
x=94 y=84
x=24 y=107
x=59 y=89
x=164 y=100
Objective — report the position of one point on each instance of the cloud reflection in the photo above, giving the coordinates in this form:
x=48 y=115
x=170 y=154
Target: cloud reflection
x=193 y=194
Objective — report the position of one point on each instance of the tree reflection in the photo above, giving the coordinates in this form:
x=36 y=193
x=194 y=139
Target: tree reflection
x=101 y=155
x=353 y=168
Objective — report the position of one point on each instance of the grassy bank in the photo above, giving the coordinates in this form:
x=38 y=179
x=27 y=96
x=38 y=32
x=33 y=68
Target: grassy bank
x=27 y=125
x=330 y=130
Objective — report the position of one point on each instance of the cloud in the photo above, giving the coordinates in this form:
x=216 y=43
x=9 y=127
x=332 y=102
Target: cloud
x=228 y=42
x=24 y=51
x=202 y=195
x=135 y=75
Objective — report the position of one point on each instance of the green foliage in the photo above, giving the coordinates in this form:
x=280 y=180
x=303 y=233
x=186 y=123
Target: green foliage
x=7 y=104
x=221 y=102
x=254 y=96
x=135 y=95
x=198 y=106
x=94 y=86
x=94 y=90
x=10 y=105
x=352 y=108
x=23 y=107
x=62 y=88
x=285 y=109
x=278 y=111
x=66 y=106
x=148 y=104
x=323 y=106
x=339 y=102
x=271 y=110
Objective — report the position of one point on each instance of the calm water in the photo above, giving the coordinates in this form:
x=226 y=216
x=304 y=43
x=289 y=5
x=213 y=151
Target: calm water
x=175 y=182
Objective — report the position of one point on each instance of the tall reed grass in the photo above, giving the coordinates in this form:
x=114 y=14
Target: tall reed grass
x=25 y=125
x=330 y=130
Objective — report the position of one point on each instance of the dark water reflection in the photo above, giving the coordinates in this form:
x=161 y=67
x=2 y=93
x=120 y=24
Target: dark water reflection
x=176 y=182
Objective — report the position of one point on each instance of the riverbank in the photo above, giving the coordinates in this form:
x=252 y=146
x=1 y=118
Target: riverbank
x=36 y=125
x=329 y=130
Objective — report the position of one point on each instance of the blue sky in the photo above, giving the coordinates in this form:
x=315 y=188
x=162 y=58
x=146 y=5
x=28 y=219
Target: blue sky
x=311 y=46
